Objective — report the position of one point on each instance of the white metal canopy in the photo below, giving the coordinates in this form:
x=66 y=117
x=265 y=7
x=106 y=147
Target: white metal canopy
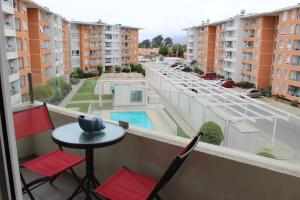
x=240 y=106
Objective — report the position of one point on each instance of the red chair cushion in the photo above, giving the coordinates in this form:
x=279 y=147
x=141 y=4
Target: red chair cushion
x=32 y=121
x=53 y=163
x=126 y=185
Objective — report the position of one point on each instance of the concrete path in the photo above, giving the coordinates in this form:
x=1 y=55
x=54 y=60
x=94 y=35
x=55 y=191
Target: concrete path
x=74 y=90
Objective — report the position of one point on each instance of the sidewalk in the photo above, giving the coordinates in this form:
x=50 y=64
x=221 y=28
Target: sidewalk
x=74 y=90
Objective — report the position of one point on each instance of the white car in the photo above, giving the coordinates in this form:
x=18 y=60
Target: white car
x=179 y=67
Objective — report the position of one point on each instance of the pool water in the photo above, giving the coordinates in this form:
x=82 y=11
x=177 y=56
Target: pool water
x=139 y=119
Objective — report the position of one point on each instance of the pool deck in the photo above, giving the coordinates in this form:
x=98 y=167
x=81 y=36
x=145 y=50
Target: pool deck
x=158 y=121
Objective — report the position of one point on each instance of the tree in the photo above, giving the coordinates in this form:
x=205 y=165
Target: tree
x=163 y=50
x=157 y=41
x=178 y=48
x=145 y=44
x=168 y=41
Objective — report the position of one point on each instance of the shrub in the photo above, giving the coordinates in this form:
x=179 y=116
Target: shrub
x=137 y=68
x=245 y=85
x=294 y=103
x=212 y=133
x=41 y=92
x=267 y=92
x=118 y=69
x=266 y=154
x=74 y=81
x=197 y=70
x=126 y=70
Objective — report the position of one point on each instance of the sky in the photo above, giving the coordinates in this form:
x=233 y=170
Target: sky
x=166 y=17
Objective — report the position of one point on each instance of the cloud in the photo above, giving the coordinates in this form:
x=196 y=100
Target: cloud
x=167 y=17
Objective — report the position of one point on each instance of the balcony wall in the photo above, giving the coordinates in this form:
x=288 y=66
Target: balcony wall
x=211 y=173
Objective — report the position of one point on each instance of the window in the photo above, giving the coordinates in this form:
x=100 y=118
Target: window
x=25 y=43
x=282 y=31
x=20 y=61
x=284 y=15
x=281 y=44
x=24 y=25
x=286 y=74
x=17 y=23
x=280 y=59
x=276 y=87
x=278 y=72
x=75 y=52
x=289 y=44
x=283 y=88
x=258 y=33
x=136 y=96
x=258 y=20
x=86 y=61
x=19 y=44
x=26 y=62
x=294 y=14
x=23 y=82
x=292 y=27
x=288 y=59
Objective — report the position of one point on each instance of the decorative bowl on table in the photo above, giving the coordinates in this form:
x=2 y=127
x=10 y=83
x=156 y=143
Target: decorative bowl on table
x=91 y=125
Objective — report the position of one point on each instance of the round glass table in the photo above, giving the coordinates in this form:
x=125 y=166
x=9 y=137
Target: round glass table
x=72 y=136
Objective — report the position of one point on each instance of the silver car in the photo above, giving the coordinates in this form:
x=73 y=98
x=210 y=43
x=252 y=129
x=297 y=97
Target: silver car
x=253 y=93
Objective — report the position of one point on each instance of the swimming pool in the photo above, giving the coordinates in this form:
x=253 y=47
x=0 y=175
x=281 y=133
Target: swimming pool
x=139 y=119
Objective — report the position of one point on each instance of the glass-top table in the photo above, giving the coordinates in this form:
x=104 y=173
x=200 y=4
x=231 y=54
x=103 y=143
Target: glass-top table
x=72 y=136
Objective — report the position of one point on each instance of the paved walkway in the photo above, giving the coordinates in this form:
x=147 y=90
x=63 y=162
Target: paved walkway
x=70 y=96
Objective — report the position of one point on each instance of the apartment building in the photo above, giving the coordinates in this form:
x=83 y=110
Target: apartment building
x=48 y=46
x=99 y=44
x=13 y=46
x=228 y=47
x=192 y=44
x=258 y=49
x=201 y=46
x=286 y=71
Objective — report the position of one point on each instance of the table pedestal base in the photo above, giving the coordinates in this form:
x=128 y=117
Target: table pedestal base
x=90 y=181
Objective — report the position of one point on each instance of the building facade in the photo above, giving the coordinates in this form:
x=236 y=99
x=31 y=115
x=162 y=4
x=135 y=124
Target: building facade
x=100 y=44
x=258 y=49
x=261 y=48
x=286 y=72
x=49 y=48
x=228 y=47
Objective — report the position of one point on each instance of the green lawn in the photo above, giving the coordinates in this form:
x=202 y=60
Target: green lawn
x=85 y=96
x=95 y=106
x=83 y=107
x=106 y=96
x=88 y=86
x=180 y=131
x=107 y=106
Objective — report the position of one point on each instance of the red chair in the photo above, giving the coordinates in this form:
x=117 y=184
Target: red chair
x=33 y=121
x=129 y=185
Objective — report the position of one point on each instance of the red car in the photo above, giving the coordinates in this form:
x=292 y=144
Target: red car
x=209 y=76
x=228 y=84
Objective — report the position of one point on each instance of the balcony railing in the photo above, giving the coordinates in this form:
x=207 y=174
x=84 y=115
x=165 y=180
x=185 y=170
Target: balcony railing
x=208 y=168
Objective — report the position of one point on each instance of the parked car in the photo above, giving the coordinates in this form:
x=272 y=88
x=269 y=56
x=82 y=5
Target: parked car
x=228 y=84
x=253 y=93
x=218 y=82
x=179 y=67
x=209 y=75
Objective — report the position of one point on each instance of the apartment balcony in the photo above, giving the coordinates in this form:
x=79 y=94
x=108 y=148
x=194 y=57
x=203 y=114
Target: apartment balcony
x=7 y=6
x=295 y=61
x=205 y=174
x=295 y=77
x=294 y=91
